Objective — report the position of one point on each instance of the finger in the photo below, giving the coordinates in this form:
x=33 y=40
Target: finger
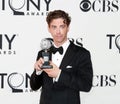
x=41 y=60
x=47 y=70
x=37 y=66
x=51 y=63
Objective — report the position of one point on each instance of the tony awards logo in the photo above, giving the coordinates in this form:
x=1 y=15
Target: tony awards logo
x=45 y=45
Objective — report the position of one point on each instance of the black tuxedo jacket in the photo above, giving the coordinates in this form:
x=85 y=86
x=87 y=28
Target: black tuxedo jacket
x=76 y=76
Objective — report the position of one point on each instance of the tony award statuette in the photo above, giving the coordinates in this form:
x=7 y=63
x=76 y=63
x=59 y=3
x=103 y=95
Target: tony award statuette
x=45 y=45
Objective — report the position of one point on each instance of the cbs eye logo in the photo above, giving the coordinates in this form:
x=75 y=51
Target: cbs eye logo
x=85 y=5
x=99 y=5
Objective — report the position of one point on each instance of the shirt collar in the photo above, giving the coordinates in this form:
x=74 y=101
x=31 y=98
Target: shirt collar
x=65 y=45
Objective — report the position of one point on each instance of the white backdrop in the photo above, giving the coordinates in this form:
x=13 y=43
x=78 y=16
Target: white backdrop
x=20 y=36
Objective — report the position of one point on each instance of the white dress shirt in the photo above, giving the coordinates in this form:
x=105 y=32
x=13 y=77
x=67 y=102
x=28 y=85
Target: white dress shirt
x=57 y=57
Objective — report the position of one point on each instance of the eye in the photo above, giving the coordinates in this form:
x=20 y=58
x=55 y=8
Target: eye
x=53 y=27
x=62 y=26
x=85 y=5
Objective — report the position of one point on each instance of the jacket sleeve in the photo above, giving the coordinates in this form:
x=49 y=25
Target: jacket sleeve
x=36 y=80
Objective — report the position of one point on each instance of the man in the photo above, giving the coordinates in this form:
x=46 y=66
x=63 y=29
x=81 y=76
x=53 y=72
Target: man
x=72 y=69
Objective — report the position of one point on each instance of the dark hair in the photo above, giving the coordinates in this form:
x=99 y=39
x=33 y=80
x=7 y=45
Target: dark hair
x=58 y=14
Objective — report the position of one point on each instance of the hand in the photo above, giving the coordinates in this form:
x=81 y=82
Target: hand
x=38 y=64
x=52 y=72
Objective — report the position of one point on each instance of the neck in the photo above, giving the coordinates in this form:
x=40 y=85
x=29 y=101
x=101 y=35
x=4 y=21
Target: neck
x=58 y=44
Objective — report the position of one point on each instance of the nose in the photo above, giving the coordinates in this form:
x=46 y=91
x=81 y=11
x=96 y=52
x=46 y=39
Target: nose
x=58 y=30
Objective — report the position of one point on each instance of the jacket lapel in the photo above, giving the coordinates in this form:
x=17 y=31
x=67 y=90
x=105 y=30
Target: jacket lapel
x=68 y=56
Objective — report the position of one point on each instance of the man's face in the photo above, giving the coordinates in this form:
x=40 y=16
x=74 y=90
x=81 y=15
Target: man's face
x=58 y=30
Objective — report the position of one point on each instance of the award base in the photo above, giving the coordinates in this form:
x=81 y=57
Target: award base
x=46 y=64
x=46 y=67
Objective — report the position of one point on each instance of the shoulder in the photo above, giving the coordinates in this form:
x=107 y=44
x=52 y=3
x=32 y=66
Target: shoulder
x=81 y=53
x=79 y=49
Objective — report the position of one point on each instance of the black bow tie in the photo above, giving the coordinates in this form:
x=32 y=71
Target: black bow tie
x=54 y=50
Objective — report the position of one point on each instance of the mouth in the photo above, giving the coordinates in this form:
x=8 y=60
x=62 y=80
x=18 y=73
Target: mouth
x=58 y=36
